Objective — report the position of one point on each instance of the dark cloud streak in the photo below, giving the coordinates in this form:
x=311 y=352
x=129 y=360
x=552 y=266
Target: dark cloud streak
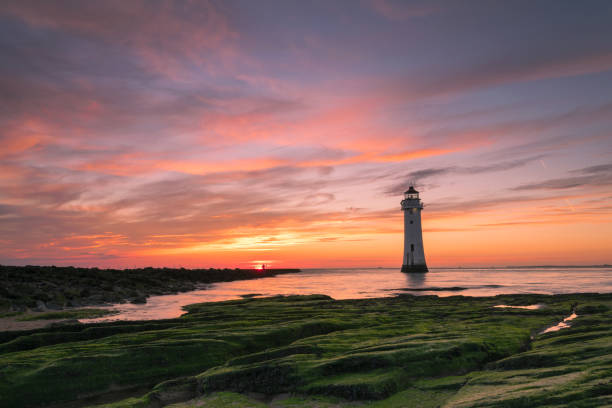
x=420 y=176
x=594 y=176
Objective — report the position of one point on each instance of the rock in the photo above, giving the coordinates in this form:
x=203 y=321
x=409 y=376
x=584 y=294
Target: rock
x=40 y=306
x=96 y=298
x=74 y=303
x=53 y=306
x=172 y=391
x=139 y=300
x=278 y=398
x=67 y=322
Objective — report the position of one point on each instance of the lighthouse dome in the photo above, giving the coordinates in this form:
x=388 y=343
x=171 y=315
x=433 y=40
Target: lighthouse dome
x=411 y=194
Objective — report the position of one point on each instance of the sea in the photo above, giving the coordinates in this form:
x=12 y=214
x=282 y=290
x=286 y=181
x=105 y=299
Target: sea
x=359 y=283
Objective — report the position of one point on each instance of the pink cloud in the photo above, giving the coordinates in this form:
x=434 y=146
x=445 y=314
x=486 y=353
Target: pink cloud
x=164 y=37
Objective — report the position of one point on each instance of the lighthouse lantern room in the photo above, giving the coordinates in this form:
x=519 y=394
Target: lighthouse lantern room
x=414 y=254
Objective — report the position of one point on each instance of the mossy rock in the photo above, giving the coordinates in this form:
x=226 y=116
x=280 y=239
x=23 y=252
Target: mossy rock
x=392 y=352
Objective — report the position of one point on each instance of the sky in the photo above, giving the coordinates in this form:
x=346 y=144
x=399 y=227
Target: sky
x=234 y=133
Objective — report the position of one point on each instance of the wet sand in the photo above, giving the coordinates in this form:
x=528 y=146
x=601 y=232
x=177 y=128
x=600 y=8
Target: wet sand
x=11 y=323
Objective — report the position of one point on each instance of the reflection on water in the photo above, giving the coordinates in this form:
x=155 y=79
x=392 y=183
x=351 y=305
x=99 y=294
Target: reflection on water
x=369 y=283
x=528 y=307
x=561 y=325
x=416 y=280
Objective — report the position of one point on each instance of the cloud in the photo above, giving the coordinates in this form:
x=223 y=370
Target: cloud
x=130 y=128
x=595 y=176
x=592 y=170
x=421 y=175
x=454 y=207
x=507 y=71
x=317 y=199
x=162 y=34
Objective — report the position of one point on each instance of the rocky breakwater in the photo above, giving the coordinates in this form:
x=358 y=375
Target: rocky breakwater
x=42 y=288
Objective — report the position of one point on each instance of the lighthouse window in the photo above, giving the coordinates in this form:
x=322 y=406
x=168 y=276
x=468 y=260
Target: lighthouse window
x=411 y=247
x=412 y=222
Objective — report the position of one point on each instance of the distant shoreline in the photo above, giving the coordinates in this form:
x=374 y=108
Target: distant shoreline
x=525 y=267
x=470 y=267
x=563 y=266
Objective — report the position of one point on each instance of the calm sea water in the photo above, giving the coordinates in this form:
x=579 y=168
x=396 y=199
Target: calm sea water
x=370 y=283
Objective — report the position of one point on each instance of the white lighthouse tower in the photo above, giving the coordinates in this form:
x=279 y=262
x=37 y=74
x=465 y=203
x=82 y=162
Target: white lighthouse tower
x=414 y=254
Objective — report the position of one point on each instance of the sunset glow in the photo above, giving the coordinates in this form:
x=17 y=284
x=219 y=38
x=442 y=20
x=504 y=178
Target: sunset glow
x=233 y=134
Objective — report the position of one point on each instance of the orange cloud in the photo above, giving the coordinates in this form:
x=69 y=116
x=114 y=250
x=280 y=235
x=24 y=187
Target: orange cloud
x=134 y=164
x=22 y=136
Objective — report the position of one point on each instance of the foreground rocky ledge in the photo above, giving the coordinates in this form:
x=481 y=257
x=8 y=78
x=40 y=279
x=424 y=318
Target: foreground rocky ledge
x=42 y=288
x=307 y=351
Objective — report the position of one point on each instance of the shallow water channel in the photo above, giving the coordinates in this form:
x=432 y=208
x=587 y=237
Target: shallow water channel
x=378 y=282
x=561 y=325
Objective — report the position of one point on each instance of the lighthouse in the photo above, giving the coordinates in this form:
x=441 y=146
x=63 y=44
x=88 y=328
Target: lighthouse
x=414 y=254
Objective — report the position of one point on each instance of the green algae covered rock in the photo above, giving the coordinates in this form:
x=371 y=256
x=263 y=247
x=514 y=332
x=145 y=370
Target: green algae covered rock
x=303 y=351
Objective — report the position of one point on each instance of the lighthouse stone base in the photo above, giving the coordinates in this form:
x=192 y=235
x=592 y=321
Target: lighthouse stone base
x=414 y=268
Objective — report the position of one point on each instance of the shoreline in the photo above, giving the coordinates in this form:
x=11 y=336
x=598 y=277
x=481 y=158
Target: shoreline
x=47 y=288
x=32 y=320
x=17 y=323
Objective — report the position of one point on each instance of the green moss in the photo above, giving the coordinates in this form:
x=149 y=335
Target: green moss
x=392 y=352
x=68 y=314
x=415 y=398
x=367 y=385
x=571 y=367
x=142 y=402
x=221 y=400
x=316 y=401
